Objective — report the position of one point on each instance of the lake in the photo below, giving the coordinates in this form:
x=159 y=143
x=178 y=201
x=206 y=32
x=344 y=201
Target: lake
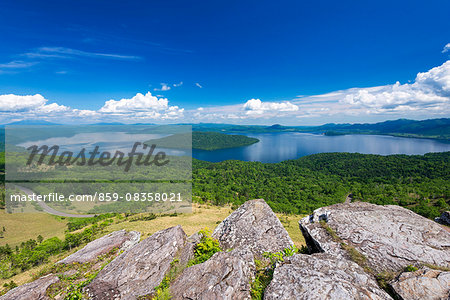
x=279 y=146
x=272 y=147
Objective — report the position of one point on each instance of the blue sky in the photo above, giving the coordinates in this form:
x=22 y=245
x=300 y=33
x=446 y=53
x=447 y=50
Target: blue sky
x=253 y=62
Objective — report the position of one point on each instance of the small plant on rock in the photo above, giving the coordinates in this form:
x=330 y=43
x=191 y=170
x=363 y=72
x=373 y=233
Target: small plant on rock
x=207 y=247
x=410 y=268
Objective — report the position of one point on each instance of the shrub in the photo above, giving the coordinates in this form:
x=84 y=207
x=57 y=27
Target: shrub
x=207 y=247
x=410 y=268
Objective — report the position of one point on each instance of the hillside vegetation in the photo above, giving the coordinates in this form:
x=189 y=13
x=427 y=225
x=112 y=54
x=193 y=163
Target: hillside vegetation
x=204 y=141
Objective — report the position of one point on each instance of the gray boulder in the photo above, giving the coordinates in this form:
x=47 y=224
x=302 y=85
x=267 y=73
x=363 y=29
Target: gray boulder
x=117 y=239
x=226 y=275
x=390 y=237
x=137 y=271
x=254 y=226
x=187 y=253
x=36 y=290
x=422 y=284
x=322 y=276
x=444 y=218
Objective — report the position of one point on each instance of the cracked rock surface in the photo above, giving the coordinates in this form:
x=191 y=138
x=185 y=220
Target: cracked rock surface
x=422 y=284
x=35 y=290
x=322 y=276
x=137 y=271
x=226 y=275
x=117 y=239
x=390 y=237
x=254 y=226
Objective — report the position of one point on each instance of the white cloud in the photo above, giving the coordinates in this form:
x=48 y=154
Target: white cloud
x=178 y=84
x=52 y=108
x=164 y=87
x=63 y=52
x=139 y=107
x=15 y=103
x=430 y=91
x=427 y=96
x=17 y=64
x=143 y=106
x=198 y=85
x=446 y=48
x=256 y=106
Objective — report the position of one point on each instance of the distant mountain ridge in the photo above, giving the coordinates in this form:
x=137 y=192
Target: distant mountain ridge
x=431 y=128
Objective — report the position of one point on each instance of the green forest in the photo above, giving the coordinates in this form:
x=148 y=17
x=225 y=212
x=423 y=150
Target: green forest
x=204 y=141
x=420 y=183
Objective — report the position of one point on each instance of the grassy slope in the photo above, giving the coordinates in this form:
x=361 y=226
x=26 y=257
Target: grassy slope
x=24 y=226
x=202 y=216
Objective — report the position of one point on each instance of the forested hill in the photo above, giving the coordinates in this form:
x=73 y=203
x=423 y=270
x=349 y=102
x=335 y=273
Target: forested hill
x=433 y=128
x=420 y=183
x=204 y=140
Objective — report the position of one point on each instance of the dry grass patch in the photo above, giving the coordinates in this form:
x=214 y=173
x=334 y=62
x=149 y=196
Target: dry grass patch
x=21 y=227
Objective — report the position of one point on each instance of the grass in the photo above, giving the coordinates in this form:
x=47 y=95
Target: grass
x=263 y=277
x=436 y=267
x=33 y=273
x=21 y=227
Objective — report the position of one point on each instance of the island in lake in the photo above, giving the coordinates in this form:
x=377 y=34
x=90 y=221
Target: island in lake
x=203 y=141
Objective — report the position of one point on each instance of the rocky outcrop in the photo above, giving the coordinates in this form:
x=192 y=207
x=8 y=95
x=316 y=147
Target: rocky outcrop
x=322 y=276
x=137 y=271
x=444 y=218
x=187 y=253
x=253 y=226
x=422 y=284
x=390 y=237
x=36 y=290
x=118 y=239
x=226 y=275
x=378 y=238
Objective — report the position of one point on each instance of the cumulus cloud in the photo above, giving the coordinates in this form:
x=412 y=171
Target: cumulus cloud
x=446 y=48
x=139 y=107
x=426 y=97
x=164 y=87
x=143 y=106
x=178 y=84
x=430 y=91
x=14 y=103
x=256 y=106
x=198 y=85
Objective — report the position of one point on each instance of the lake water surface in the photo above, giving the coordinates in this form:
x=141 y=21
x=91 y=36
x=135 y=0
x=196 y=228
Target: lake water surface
x=276 y=147
x=272 y=147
